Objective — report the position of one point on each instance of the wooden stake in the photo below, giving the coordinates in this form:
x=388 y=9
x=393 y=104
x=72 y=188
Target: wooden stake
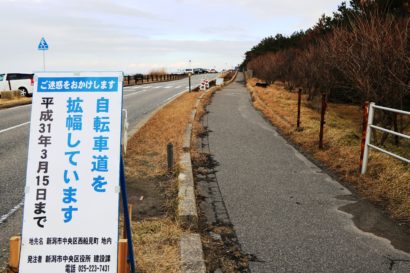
x=14 y=253
x=123 y=266
x=322 y=120
x=299 y=104
x=124 y=230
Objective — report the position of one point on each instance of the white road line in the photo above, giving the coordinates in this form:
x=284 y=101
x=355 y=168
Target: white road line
x=11 y=212
x=169 y=86
x=156 y=87
x=134 y=93
x=149 y=86
x=178 y=86
x=14 y=127
x=130 y=90
x=15 y=107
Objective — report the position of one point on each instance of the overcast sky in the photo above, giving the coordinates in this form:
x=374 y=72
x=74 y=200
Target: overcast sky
x=137 y=36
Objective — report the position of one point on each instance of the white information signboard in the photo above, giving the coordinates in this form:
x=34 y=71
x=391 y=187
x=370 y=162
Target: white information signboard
x=71 y=202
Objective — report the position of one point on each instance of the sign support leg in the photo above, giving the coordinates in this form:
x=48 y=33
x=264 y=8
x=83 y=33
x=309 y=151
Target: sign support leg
x=127 y=222
x=44 y=60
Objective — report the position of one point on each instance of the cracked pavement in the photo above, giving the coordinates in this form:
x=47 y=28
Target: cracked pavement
x=284 y=209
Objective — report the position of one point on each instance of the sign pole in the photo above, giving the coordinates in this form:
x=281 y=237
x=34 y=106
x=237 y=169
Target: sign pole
x=127 y=221
x=44 y=60
x=43 y=46
x=189 y=76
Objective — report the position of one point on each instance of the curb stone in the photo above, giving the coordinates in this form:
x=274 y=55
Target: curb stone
x=187 y=210
x=192 y=254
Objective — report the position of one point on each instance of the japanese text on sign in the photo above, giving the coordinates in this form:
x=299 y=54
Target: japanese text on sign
x=72 y=186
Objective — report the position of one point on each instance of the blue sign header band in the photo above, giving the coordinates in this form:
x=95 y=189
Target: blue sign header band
x=78 y=84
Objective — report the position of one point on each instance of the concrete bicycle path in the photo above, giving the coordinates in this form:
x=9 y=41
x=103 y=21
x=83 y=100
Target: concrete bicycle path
x=284 y=208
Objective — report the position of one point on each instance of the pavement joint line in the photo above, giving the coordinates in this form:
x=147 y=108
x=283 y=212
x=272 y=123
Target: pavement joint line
x=4 y=217
x=14 y=127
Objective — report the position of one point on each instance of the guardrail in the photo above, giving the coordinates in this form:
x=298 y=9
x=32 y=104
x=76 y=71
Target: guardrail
x=141 y=79
x=370 y=126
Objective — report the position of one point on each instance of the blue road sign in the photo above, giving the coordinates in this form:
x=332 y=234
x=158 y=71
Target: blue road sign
x=43 y=44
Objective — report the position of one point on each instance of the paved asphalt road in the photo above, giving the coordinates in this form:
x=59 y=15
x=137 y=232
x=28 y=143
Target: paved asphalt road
x=14 y=134
x=285 y=209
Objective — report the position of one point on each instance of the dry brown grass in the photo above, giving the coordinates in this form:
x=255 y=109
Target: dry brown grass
x=156 y=239
x=157 y=246
x=6 y=103
x=147 y=148
x=388 y=180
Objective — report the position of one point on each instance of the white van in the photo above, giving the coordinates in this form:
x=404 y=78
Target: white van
x=17 y=81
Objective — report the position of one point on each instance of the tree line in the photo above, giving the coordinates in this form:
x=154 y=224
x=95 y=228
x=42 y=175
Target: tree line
x=359 y=53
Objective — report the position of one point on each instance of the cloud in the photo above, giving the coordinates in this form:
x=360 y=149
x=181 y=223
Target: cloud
x=140 y=35
x=271 y=8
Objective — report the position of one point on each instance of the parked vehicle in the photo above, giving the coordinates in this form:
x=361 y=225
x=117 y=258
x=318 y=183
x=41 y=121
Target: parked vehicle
x=17 y=81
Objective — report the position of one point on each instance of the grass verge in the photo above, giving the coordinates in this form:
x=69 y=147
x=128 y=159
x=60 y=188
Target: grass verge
x=153 y=190
x=8 y=103
x=387 y=182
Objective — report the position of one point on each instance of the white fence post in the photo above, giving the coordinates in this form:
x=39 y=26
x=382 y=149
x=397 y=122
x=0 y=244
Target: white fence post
x=368 y=137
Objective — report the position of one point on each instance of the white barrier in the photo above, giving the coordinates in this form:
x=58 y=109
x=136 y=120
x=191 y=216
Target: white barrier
x=370 y=126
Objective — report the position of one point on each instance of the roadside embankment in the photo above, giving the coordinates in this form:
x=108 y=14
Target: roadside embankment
x=12 y=98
